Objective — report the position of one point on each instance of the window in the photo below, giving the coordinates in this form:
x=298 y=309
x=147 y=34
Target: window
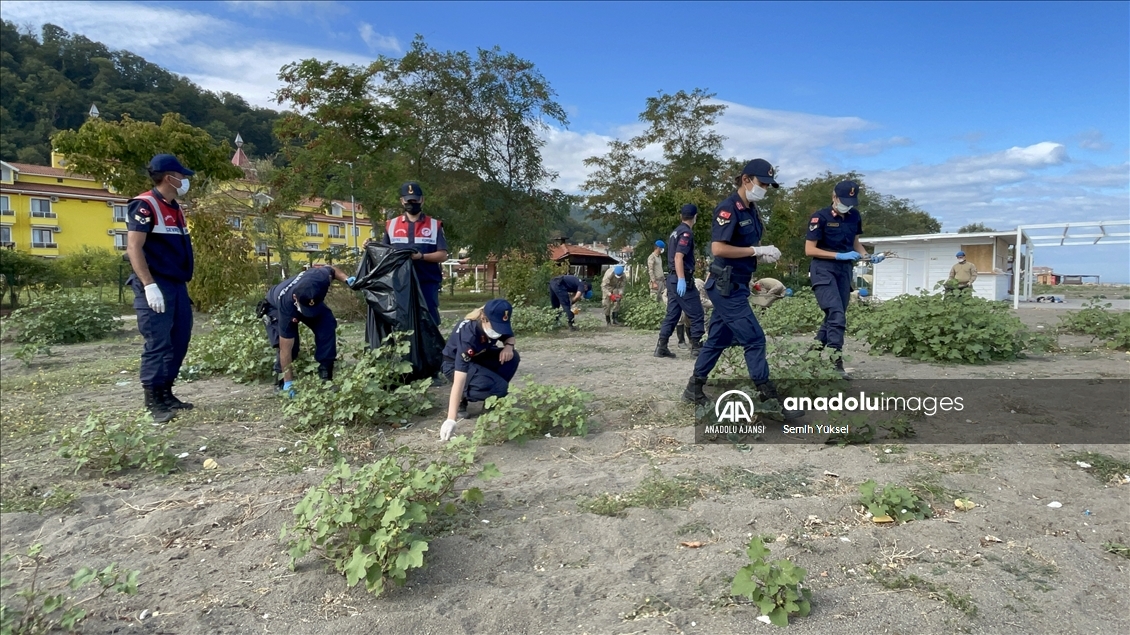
x=120 y=213
x=6 y=206
x=120 y=241
x=311 y=246
x=261 y=248
x=356 y=231
x=42 y=238
x=312 y=229
x=41 y=208
x=5 y=175
x=335 y=210
x=337 y=231
x=236 y=222
x=5 y=235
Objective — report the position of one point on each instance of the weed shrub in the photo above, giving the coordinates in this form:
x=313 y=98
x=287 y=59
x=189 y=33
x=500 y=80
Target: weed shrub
x=936 y=328
x=367 y=521
x=793 y=366
x=534 y=320
x=897 y=503
x=522 y=280
x=370 y=391
x=236 y=347
x=531 y=411
x=641 y=311
x=113 y=446
x=62 y=318
x=775 y=587
x=1096 y=319
x=790 y=316
x=43 y=612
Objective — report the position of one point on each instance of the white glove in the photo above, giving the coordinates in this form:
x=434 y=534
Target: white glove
x=155 y=298
x=446 y=430
x=767 y=254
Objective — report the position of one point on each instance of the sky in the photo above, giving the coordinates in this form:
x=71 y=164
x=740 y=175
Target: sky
x=1002 y=113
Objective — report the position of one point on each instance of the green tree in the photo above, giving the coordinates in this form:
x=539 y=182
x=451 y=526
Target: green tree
x=94 y=266
x=975 y=227
x=20 y=270
x=118 y=152
x=226 y=268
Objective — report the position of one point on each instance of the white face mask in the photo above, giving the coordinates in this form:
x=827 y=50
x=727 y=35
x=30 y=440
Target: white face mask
x=183 y=189
x=755 y=192
x=491 y=333
x=841 y=208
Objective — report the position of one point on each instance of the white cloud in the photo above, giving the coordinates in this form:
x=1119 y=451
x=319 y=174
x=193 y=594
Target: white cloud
x=275 y=8
x=377 y=42
x=1093 y=140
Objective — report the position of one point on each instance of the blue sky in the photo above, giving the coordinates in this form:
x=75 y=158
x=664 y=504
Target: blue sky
x=1002 y=113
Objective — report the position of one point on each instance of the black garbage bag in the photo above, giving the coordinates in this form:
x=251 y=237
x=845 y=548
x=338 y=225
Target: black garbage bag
x=396 y=303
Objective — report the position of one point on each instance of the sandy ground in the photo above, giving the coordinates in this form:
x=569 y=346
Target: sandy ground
x=530 y=560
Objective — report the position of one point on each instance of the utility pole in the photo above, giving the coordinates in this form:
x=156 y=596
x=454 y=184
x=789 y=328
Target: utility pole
x=353 y=207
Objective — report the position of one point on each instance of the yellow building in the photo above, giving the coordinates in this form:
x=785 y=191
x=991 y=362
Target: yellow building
x=45 y=211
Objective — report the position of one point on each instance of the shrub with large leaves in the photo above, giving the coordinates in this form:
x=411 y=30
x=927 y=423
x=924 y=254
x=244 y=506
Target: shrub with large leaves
x=531 y=411
x=236 y=347
x=62 y=318
x=775 y=587
x=1097 y=320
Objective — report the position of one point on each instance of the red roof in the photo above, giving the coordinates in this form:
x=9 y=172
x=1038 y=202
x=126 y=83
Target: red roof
x=561 y=252
x=65 y=191
x=240 y=159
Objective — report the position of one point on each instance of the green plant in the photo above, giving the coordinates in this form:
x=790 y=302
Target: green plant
x=370 y=391
x=43 y=612
x=775 y=587
x=640 y=310
x=1096 y=319
x=654 y=492
x=532 y=411
x=366 y=520
x=794 y=365
x=321 y=442
x=1117 y=549
x=235 y=347
x=27 y=352
x=524 y=281
x=62 y=318
x=113 y=446
x=897 y=503
x=1104 y=467
x=859 y=431
x=933 y=327
x=529 y=319
x=789 y=316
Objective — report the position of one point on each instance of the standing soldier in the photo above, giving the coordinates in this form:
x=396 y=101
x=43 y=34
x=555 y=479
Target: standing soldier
x=423 y=235
x=612 y=287
x=655 y=271
x=833 y=244
x=680 y=298
x=160 y=252
x=735 y=236
x=302 y=299
x=962 y=275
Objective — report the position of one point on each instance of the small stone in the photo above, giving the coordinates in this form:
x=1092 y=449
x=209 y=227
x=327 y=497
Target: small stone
x=1055 y=504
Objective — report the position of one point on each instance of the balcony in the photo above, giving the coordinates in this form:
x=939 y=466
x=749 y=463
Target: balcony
x=35 y=214
x=318 y=235
x=7 y=212
x=8 y=245
x=44 y=245
x=120 y=247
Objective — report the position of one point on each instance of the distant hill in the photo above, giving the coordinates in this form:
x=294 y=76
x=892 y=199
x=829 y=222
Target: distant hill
x=50 y=82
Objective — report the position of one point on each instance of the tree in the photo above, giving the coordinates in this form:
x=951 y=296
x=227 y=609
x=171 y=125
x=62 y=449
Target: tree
x=226 y=268
x=95 y=266
x=117 y=153
x=21 y=270
x=974 y=228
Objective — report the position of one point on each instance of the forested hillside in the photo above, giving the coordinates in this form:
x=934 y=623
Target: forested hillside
x=49 y=82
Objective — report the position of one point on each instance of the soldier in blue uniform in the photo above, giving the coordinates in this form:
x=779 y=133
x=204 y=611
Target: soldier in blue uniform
x=302 y=299
x=160 y=252
x=479 y=360
x=564 y=291
x=423 y=235
x=735 y=243
x=682 y=296
x=833 y=244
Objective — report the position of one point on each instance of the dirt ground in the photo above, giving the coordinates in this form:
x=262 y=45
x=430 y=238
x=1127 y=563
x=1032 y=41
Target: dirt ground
x=530 y=559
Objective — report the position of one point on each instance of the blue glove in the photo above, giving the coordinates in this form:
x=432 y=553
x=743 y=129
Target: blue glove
x=288 y=389
x=350 y=280
x=848 y=255
x=877 y=258
x=681 y=287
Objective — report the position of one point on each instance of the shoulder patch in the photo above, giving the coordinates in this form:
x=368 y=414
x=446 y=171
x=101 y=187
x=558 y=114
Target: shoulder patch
x=722 y=220
x=815 y=219
x=738 y=204
x=724 y=213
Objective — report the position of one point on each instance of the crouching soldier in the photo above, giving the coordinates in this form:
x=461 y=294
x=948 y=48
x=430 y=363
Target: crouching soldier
x=612 y=286
x=301 y=299
x=479 y=360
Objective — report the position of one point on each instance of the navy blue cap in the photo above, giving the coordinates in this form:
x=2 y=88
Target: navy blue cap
x=168 y=163
x=498 y=313
x=411 y=191
x=763 y=170
x=661 y=244
x=848 y=193
x=689 y=210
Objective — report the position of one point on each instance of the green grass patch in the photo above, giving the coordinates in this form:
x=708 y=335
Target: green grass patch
x=954 y=463
x=655 y=492
x=898 y=582
x=24 y=498
x=1117 y=549
x=1103 y=466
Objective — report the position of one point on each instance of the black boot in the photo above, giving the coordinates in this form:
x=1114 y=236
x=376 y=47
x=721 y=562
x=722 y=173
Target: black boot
x=661 y=349
x=171 y=401
x=838 y=364
x=694 y=392
x=696 y=347
x=615 y=318
x=608 y=319
x=680 y=332
x=326 y=371
x=156 y=405
x=769 y=392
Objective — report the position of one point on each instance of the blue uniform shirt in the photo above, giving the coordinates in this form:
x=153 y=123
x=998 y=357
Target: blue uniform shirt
x=739 y=225
x=572 y=284
x=310 y=286
x=466 y=342
x=833 y=232
x=682 y=241
x=425 y=235
x=168 y=249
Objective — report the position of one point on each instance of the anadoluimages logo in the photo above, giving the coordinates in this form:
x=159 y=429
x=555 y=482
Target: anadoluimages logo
x=733 y=406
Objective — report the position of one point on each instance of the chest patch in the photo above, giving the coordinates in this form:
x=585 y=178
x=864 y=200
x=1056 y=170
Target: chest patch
x=745 y=222
x=833 y=224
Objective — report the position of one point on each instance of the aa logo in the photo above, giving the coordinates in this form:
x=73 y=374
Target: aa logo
x=733 y=406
